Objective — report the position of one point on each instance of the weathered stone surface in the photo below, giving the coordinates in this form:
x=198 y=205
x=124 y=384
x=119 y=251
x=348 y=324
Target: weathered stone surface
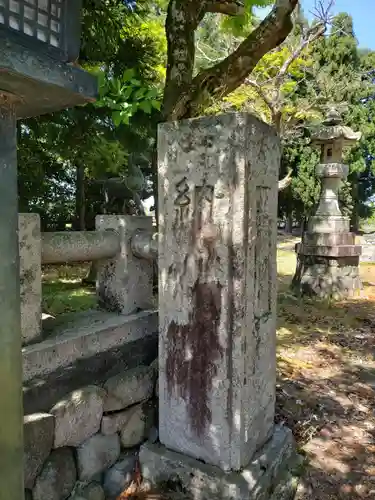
x=217 y=286
x=79 y=246
x=119 y=477
x=327 y=277
x=92 y=491
x=38 y=434
x=89 y=355
x=327 y=256
x=45 y=86
x=30 y=276
x=78 y=416
x=329 y=239
x=269 y=475
x=135 y=419
x=58 y=476
x=153 y=434
x=125 y=282
x=139 y=421
x=114 y=422
x=330 y=251
x=129 y=388
x=155 y=365
x=96 y=455
x=328 y=224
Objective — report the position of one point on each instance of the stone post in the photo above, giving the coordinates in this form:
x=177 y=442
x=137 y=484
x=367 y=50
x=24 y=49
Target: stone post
x=30 y=248
x=327 y=258
x=124 y=283
x=217 y=292
x=11 y=415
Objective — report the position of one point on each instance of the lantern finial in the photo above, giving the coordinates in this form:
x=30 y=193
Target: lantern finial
x=333 y=117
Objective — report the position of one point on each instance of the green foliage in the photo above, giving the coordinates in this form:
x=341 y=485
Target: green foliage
x=126 y=96
x=269 y=82
x=111 y=138
x=341 y=79
x=302 y=196
x=115 y=136
x=336 y=77
x=242 y=25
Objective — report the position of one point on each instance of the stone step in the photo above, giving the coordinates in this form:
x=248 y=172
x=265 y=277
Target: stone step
x=85 y=348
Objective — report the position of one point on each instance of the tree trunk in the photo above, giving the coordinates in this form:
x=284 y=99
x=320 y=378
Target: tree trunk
x=289 y=224
x=354 y=219
x=186 y=96
x=80 y=223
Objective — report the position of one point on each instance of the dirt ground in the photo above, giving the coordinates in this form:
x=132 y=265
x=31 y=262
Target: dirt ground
x=326 y=387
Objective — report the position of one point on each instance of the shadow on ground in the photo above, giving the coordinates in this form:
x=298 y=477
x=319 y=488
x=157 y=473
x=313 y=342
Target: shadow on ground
x=326 y=390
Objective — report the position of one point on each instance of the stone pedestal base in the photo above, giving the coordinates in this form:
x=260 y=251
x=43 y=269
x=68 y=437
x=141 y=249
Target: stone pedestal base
x=271 y=474
x=327 y=277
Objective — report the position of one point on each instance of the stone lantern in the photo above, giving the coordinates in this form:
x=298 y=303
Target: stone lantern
x=39 y=44
x=327 y=258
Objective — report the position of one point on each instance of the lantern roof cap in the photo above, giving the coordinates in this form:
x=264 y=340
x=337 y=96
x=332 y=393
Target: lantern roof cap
x=332 y=129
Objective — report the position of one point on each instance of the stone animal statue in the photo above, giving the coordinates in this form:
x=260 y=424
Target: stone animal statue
x=122 y=194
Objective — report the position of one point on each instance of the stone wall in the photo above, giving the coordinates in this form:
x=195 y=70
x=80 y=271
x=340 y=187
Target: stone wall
x=85 y=447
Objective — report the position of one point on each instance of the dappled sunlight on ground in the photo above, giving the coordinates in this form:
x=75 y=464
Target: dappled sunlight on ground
x=326 y=386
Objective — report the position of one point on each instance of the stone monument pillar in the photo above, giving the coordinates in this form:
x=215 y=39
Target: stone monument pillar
x=327 y=258
x=217 y=309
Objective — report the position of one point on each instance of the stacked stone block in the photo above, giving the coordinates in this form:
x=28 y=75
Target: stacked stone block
x=85 y=447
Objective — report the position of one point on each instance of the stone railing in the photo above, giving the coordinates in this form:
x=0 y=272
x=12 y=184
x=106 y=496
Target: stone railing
x=124 y=248
x=89 y=378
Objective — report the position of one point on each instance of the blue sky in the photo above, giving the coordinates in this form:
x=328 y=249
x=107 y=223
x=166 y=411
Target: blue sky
x=362 y=13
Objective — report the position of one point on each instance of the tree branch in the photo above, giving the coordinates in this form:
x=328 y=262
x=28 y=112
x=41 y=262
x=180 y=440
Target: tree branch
x=284 y=183
x=313 y=34
x=262 y=94
x=228 y=7
x=227 y=75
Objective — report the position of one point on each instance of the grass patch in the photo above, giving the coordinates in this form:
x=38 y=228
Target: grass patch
x=62 y=297
x=62 y=290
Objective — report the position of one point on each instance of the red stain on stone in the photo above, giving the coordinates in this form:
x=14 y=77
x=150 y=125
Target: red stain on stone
x=193 y=353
